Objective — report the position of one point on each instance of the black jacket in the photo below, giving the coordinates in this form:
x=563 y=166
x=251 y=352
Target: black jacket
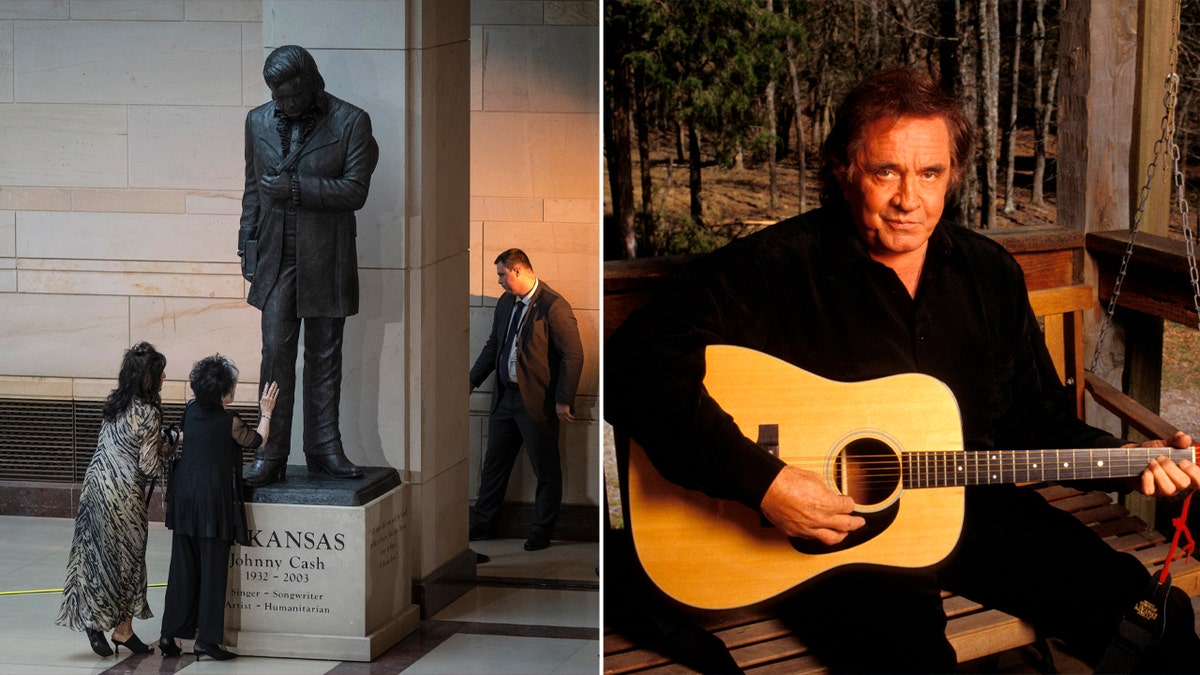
x=805 y=290
x=335 y=168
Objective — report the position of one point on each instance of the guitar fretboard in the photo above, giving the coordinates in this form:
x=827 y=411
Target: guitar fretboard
x=948 y=469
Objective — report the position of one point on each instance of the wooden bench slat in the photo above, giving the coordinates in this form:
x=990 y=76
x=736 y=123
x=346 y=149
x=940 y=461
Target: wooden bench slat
x=957 y=605
x=762 y=631
x=1083 y=501
x=1055 y=493
x=1101 y=514
x=770 y=651
x=987 y=632
x=804 y=665
x=634 y=661
x=1119 y=527
x=1136 y=540
x=669 y=669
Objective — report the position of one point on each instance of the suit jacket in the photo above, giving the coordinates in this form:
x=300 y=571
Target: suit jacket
x=334 y=169
x=549 y=353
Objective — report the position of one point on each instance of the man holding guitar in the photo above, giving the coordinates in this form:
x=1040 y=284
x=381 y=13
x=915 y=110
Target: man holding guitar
x=881 y=282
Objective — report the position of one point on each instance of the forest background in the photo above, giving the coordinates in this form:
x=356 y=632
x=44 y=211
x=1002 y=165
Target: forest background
x=714 y=112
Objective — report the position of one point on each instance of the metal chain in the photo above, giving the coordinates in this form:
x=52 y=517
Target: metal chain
x=1189 y=245
x=1167 y=138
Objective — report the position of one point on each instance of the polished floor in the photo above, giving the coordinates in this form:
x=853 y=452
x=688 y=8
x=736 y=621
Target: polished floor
x=530 y=613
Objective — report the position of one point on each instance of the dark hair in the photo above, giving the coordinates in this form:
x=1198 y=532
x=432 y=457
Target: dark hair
x=213 y=377
x=512 y=257
x=291 y=61
x=891 y=94
x=140 y=379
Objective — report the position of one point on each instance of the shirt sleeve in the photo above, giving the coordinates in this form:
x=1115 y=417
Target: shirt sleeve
x=654 y=372
x=148 y=424
x=243 y=435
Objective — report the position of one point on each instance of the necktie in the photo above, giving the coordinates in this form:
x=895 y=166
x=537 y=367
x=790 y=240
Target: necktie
x=511 y=337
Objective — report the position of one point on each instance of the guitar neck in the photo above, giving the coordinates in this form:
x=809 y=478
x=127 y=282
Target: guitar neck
x=946 y=469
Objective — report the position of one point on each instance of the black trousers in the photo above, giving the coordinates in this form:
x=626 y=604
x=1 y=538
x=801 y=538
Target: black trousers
x=195 y=602
x=322 y=371
x=1018 y=554
x=509 y=427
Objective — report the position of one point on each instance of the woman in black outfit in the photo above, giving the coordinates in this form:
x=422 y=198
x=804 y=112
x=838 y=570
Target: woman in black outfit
x=205 y=507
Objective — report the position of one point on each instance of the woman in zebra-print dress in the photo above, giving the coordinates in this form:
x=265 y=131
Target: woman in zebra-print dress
x=106 y=571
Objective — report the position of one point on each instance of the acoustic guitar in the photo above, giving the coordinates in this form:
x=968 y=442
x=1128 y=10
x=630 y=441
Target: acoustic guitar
x=893 y=444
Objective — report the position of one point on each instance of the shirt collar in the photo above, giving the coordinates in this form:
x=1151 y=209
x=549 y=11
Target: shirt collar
x=847 y=245
x=526 y=298
x=320 y=105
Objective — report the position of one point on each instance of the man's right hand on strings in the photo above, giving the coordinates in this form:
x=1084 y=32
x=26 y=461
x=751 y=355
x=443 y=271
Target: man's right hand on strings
x=800 y=505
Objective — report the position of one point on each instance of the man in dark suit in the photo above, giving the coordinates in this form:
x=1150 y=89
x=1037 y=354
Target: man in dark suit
x=535 y=349
x=309 y=159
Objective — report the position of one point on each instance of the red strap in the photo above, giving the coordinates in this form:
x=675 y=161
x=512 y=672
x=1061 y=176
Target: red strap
x=1181 y=527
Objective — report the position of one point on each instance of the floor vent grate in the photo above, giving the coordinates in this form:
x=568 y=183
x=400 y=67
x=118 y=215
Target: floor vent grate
x=54 y=441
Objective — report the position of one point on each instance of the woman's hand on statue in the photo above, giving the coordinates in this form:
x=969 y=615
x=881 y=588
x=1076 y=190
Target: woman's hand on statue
x=267 y=402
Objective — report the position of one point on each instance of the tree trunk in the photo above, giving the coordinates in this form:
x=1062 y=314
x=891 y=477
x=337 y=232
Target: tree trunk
x=989 y=49
x=949 y=45
x=798 y=102
x=694 y=181
x=1039 y=105
x=967 y=89
x=772 y=164
x=772 y=140
x=641 y=122
x=620 y=162
x=1010 y=158
x=1043 y=126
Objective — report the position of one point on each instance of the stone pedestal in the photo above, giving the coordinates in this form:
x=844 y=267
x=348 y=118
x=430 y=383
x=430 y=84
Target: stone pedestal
x=325 y=575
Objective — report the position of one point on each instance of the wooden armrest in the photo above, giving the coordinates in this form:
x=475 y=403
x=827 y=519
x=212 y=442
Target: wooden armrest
x=1127 y=409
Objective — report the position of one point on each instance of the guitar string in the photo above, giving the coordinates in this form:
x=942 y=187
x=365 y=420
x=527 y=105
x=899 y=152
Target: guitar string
x=933 y=468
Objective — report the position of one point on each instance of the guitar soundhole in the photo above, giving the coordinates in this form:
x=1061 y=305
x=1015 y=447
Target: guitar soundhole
x=868 y=470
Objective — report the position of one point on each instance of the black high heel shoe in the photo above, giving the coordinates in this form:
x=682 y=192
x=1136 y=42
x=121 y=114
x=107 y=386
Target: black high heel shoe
x=212 y=651
x=133 y=644
x=168 y=647
x=99 y=643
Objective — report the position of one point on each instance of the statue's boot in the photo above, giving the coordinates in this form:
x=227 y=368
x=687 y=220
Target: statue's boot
x=269 y=466
x=333 y=462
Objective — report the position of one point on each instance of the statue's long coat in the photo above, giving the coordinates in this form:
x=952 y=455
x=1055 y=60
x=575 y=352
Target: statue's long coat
x=335 y=169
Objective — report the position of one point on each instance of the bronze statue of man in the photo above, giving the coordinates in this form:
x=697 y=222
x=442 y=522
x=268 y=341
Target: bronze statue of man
x=309 y=159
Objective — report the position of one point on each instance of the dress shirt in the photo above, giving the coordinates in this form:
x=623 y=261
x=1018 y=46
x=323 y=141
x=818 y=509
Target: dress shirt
x=511 y=357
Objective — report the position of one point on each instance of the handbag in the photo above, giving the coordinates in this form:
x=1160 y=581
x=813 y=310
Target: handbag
x=172 y=464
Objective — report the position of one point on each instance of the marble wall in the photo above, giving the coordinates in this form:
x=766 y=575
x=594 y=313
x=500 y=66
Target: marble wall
x=120 y=186
x=535 y=185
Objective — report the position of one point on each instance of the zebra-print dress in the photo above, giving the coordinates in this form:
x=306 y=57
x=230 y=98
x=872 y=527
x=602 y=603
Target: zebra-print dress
x=106 y=571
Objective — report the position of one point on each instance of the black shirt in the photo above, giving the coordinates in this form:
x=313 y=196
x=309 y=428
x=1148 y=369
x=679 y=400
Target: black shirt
x=806 y=291
x=205 y=488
